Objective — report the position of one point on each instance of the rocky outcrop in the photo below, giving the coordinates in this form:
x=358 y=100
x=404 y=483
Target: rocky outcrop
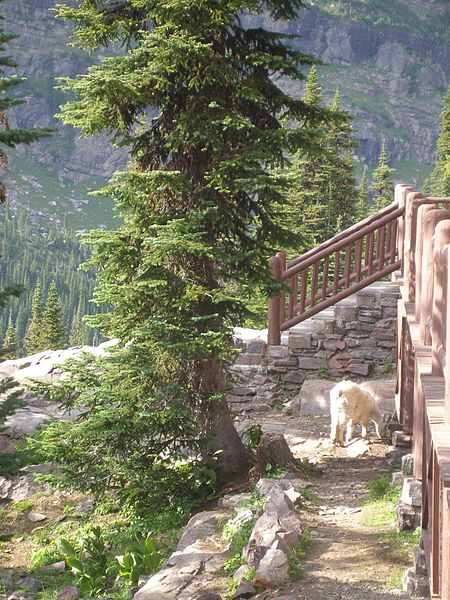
x=392 y=78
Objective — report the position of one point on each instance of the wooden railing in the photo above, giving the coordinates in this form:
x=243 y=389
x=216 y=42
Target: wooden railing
x=334 y=270
x=423 y=370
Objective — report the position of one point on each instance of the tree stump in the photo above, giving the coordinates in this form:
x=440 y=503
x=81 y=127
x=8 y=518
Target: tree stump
x=274 y=450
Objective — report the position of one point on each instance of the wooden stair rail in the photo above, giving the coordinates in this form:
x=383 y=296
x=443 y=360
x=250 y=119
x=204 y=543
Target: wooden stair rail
x=334 y=270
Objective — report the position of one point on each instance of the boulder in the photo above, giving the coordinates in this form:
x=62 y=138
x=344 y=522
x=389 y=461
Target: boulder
x=200 y=525
x=273 y=449
x=314 y=396
x=69 y=593
x=412 y=492
x=273 y=568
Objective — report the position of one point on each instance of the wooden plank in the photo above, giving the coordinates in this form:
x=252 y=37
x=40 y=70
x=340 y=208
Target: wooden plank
x=325 y=277
x=314 y=281
x=435 y=550
x=347 y=267
x=370 y=242
x=382 y=252
x=393 y=244
x=336 y=272
x=445 y=591
x=341 y=295
x=303 y=291
x=358 y=259
x=293 y=296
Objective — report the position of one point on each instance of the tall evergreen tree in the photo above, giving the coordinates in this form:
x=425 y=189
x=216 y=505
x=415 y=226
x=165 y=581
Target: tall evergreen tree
x=438 y=183
x=10 y=344
x=322 y=194
x=11 y=137
x=362 y=203
x=33 y=336
x=382 y=180
x=198 y=206
x=53 y=331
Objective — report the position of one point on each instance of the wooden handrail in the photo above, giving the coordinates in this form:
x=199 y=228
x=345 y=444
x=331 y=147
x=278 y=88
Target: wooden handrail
x=344 y=234
x=308 y=259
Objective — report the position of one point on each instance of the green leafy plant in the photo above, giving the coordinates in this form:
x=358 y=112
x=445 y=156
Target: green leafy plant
x=297 y=554
x=253 y=435
x=140 y=558
x=322 y=373
x=274 y=471
x=89 y=563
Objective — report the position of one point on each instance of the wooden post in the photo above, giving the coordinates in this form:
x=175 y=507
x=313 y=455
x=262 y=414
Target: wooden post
x=409 y=246
x=274 y=334
x=401 y=191
x=430 y=222
x=445 y=592
x=282 y=255
x=447 y=345
x=421 y=241
x=438 y=323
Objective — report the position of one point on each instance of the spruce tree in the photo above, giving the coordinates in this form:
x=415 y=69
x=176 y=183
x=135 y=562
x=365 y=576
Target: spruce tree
x=199 y=204
x=11 y=137
x=382 y=181
x=33 y=336
x=362 y=203
x=438 y=184
x=10 y=343
x=53 y=334
x=322 y=195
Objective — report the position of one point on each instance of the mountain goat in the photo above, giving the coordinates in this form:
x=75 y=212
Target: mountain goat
x=350 y=403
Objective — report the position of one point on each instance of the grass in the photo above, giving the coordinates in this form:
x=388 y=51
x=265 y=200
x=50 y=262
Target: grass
x=380 y=512
x=298 y=552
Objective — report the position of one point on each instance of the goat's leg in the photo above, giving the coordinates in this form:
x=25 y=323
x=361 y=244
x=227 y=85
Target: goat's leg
x=364 y=430
x=340 y=434
x=349 y=433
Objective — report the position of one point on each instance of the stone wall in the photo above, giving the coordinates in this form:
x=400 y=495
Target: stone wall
x=355 y=339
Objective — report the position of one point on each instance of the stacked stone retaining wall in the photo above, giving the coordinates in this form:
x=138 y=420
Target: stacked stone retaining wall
x=355 y=339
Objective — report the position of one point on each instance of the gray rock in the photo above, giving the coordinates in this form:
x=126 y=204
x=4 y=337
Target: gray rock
x=407 y=465
x=207 y=596
x=245 y=589
x=200 y=525
x=397 y=478
x=412 y=492
x=85 y=507
x=69 y=593
x=57 y=566
x=36 y=517
x=356 y=448
x=30 y=584
x=420 y=562
x=233 y=500
x=408 y=517
x=314 y=396
x=273 y=568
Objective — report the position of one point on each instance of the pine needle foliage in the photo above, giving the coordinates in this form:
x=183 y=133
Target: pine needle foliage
x=382 y=181
x=10 y=345
x=362 y=203
x=438 y=183
x=53 y=333
x=194 y=98
x=322 y=193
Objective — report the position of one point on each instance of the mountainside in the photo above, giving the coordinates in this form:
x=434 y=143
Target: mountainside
x=391 y=59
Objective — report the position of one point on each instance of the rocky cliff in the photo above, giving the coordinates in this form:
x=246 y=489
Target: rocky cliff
x=391 y=59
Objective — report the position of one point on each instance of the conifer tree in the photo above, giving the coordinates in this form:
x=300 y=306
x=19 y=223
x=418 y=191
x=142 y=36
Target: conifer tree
x=362 y=205
x=33 y=336
x=322 y=194
x=53 y=332
x=11 y=137
x=438 y=183
x=198 y=205
x=76 y=337
x=382 y=180
x=10 y=344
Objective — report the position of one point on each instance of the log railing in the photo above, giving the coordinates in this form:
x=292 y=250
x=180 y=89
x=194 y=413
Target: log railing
x=423 y=371
x=334 y=270
x=412 y=237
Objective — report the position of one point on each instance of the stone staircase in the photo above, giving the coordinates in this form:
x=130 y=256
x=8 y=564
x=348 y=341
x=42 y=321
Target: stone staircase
x=356 y=338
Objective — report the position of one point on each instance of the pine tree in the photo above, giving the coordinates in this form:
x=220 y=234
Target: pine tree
x=76 y=337
x=362 y=204
x=322 y=195
x=10 y=343
x=11 y=137
x=198 y=205
x=34 y=332
x=382 y=180
x=438 y=184
x=53 y=331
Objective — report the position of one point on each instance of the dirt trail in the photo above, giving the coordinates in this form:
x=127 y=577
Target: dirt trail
x=347 y=560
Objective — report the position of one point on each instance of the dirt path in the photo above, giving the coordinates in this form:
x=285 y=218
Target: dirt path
x=347 y=560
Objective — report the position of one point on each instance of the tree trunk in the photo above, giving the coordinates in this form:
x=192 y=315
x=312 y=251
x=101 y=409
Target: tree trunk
x=232 y=461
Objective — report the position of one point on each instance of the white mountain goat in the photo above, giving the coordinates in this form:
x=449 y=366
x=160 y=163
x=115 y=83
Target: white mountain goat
x=350 y=403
